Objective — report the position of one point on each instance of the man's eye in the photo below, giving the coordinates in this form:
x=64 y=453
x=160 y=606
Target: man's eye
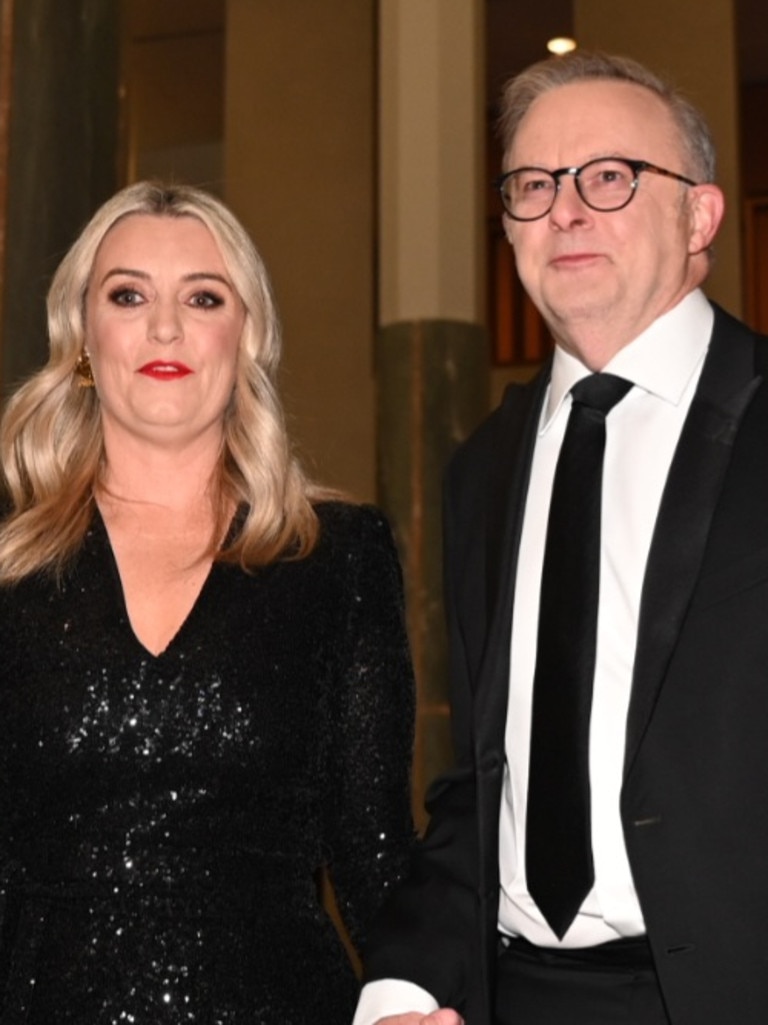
x=537 y=184
x=126 y=297
x=608 y=177
x=206 y=300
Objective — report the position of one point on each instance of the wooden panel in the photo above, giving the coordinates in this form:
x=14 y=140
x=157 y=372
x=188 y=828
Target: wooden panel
x=152 y=18
x=519 y=335
x=6 y=81
x=173 y=90
x=176 y=90
x=756 y=262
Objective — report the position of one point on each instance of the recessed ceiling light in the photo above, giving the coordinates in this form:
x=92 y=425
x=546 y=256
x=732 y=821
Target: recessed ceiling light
x=560 y=45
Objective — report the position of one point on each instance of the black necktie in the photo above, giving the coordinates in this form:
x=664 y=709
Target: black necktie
x=558 y=837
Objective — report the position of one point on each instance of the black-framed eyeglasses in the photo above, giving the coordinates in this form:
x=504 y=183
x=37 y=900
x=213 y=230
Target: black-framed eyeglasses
x=605 y=184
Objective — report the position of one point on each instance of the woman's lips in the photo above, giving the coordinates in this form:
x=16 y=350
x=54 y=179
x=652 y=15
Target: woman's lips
x=161 y=370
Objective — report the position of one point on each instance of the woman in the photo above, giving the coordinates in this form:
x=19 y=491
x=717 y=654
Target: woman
x=205 y=692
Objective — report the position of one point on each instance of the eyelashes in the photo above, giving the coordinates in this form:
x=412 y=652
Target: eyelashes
x=206 y=300
x=124 y=296
x=129 y=297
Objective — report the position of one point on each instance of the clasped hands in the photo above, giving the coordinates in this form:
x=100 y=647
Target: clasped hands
x=445 y=1016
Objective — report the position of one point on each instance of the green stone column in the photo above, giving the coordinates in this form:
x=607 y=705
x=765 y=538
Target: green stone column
x=59 y=125
x=432 y=390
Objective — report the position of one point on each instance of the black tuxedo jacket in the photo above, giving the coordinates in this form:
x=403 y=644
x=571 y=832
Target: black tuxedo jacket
x=694 y=801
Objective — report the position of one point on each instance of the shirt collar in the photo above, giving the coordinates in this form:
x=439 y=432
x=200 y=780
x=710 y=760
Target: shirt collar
x=662 y=360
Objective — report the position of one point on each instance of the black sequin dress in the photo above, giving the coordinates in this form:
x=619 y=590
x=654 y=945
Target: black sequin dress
x=163 y=819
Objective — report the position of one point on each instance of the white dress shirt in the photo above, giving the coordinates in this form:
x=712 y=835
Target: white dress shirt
x=642 y=432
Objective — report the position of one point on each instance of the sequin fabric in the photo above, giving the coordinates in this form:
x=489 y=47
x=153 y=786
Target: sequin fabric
x=163 y=819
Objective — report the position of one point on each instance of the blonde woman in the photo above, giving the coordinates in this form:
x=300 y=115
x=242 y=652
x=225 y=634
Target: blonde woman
x=205 y=689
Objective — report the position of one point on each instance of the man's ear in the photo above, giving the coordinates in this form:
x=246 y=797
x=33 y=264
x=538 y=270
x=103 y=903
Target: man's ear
x=707 y=205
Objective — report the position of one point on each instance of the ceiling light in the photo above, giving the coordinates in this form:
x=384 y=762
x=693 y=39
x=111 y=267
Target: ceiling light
x=560 y=45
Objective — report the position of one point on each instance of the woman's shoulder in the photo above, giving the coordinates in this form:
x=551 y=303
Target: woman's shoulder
x=350 y=529
x=343 y=516
x=356 y=563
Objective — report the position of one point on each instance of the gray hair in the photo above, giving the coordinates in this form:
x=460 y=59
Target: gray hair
x=580 y=66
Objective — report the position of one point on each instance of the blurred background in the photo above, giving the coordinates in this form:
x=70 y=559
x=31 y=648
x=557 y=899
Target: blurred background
x=355 y=140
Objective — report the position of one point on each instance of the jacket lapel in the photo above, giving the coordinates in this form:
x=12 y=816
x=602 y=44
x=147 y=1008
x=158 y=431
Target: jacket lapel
x=728 y=382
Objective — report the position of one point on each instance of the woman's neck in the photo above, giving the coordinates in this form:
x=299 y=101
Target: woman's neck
x=177 y=479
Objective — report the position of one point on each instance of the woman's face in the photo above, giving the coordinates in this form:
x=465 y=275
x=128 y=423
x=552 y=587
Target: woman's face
x=163 y=323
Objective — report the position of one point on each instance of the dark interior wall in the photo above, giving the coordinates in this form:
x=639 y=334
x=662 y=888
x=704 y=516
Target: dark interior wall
x=62 y=154
x=173 y=89
x=754 y=139
x=63 y=140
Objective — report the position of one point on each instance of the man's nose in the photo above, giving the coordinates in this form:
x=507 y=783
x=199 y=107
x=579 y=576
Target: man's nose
x=568 y=207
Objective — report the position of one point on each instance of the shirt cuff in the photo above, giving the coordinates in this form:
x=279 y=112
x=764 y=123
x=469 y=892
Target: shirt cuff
x=391 y=996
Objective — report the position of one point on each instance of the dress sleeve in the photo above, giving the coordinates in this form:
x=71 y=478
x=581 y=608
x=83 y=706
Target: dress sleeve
x=368 y=825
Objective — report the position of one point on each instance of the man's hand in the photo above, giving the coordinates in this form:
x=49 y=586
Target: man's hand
x=445 y=1016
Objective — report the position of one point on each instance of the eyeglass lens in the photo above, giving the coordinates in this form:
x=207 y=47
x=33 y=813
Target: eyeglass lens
x=603 y=184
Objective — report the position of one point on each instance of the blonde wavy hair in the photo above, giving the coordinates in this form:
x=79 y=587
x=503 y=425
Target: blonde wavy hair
x=51 y=445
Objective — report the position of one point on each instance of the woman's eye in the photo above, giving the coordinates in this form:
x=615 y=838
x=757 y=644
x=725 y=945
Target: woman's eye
x=206 y=300
x=126 y=297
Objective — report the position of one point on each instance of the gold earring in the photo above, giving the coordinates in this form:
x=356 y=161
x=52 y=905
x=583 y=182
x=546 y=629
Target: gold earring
x=83 y=371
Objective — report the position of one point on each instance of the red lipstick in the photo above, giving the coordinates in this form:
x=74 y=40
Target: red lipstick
x=162 y=370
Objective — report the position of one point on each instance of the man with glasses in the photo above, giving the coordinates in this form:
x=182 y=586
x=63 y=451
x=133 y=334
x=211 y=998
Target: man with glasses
x=599 y=855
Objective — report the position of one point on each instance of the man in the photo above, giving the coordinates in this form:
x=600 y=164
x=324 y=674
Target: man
x=661 y=916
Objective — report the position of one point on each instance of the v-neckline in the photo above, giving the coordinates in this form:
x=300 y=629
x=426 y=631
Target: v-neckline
x=100 y=528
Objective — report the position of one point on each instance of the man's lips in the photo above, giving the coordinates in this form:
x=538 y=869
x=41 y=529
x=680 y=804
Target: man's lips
x=165 y=371
x=566 y=261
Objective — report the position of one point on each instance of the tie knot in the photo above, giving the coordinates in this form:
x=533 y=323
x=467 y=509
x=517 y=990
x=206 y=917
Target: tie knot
x=600 y=391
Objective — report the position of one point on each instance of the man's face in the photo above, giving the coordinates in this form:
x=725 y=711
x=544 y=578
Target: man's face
x=599 y=278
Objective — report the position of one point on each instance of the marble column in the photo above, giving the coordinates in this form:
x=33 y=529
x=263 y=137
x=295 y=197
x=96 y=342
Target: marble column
x=432 y=351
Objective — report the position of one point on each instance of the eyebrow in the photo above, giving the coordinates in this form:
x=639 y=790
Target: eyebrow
x=194 y=276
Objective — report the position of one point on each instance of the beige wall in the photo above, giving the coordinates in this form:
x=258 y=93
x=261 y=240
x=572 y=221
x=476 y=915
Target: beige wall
x=299 y=172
